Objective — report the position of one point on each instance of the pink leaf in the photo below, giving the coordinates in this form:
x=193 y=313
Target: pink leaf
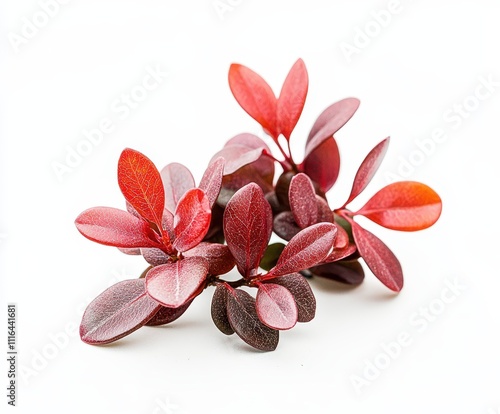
x=379 y=258
x=303 y=200
x=211 y=181
x=177 y=179
x=117 y=312
x=292 y=98
x=322 y=164
x=405 y=205
x=219 y=310
x=114 y=227
x=255 y=96
x=167 y=315
x=218 y=256
x=306 y=249
x=173 y=284
x=276 y=306
x=367 y=169
x=140 y=183
x=191 y=219
x=248 y=227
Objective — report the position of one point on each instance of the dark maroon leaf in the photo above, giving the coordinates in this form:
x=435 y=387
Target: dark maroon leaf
x=348 y=272
x=211 y=181
x=191 y=219
x=117 y=312
x=379 y=258
x=177 y=179
x=247 y=325
x=306 y=249
x=271 y=255
x=248 y=227
x=114 y=227
x=302 y=293
x=284 y=225
x=303 y=201
x=367 y=169
x=276 y=307
x=141 y=185
x=173 y=284
x=219 y=257
x=168 y=315
x=219 y=310
x=155 y=257
x=322 y=164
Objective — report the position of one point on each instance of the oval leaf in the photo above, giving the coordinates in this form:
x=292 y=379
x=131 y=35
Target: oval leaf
x=325 y=214
x=247 y=325
x=211 y=181
x=303 y=200
x=219 y=310
x=405 y=205
x=306 y=249
x=322 y=164
x=141 y=185
x=177 y=179
x=168 y=315
x=219 y=257
x=255 y=96
x=113 y=227
x=191 y=219
x=284 y=225
x=247 y=227
x=276 y=306
x=367 y=169
x=117 y=312
x=155 y=257
x=379 y=258
x=173 y=284
x=292 y=98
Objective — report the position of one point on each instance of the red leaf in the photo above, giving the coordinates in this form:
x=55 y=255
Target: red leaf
x=168 y=315
x=340 y=253
x=330 y=121
x=191 y=219
x=173 y=284
x=219 y=310
x=292 y=98
x=284 y=225
x=255 y=96
x=276 y=306
x=114 y=227
x=247 y=325
x=301 y=292
x=303 y=200
x=248 y=227
x=211 y=181
x=177 y=179
x=237 y=156
x=405 y=205
x=306 y=249
x=117 y=312
x=141 y=185
x=342 y=239
x=322 y=164
x=218 y=256
x=367 y=169
x=325 y=214
x=379 y=258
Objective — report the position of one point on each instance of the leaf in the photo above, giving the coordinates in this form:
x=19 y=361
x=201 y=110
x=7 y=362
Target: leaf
x=282 y=188
x=322 y=164
x=248 y=227
x=298 y=286
x=173 y=284
x=325 y=214
x=113 y=227
x=168 y=315
x=255 y=96
x=303 y=201
x=211 y=181
x=132 y=252
x=367 y=169
x=271 y=256
x=220 y=260
x=191 y=219
x=276 y=307
x=117 y=312
x=155 y=257
x=177 y=179
x=340 y=253
x=405 y=205
x=348 y=272
x=330 y=121
x=247 y=325
x=379 y=258
x=292 y=98
x=141 y=185
x=306 y=249
x=219 y=310
x=284 y=225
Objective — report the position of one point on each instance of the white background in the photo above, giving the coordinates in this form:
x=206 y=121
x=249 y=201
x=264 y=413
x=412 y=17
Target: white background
x=408 y=75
